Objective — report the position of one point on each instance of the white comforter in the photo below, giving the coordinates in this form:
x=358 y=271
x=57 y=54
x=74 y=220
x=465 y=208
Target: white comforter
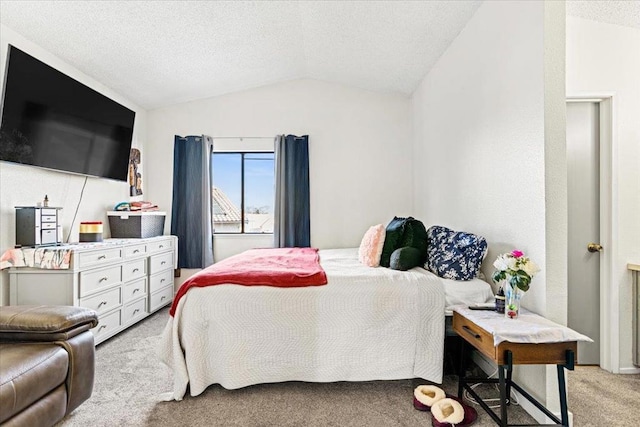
x=365 y=324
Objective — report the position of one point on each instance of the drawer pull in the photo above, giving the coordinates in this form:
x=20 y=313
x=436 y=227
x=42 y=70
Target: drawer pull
x=135 y=270
x=102 y=303
x=471 y=332
x=102 y=257
x=135 y=251
x=136 y=310
x=102 y=279
x=163 y=262
x=163 y=297
x=161 y=280
x=135 y=290
x=160 y=246
x=102 y=327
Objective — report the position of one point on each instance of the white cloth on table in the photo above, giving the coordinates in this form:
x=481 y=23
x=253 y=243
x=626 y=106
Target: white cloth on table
x=49 y=258
x=527 y=328
x=54 y=257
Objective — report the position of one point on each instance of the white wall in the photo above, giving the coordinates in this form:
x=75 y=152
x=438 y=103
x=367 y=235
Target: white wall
x=359 y=148
x=479 y=141
x=606 y=58
x=25 y=186
x=479 y=134
x=555 y=185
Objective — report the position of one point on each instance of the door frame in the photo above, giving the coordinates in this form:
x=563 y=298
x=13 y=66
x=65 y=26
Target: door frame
x=609 y=293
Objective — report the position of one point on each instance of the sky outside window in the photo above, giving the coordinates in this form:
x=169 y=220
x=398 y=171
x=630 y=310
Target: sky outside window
x=227 y=175
x=258 y=182
x=259 y=189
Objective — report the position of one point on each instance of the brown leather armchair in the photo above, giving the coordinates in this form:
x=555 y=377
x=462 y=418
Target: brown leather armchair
x=46 y=362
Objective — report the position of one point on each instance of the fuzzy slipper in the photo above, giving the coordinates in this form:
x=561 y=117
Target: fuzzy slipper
x=424 y=396
x=451 y=411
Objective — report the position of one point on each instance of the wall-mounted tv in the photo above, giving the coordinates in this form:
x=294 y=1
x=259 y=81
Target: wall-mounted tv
x=53 y=121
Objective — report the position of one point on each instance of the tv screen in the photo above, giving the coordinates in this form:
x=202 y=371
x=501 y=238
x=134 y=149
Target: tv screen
x=53 y=121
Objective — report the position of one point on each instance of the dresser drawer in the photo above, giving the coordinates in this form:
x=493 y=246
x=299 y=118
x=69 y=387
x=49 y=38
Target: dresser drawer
x=92 y=281
x=161 y=245
x=160 y=298
x=49 y=212
x=48 y=226
x=135 y=289
x=105 y=301
x=134 y=311
x=160 y=280
x=134 y=269
x=48 y=236
x=474 y=334
x=107 y=325
x=99 y=257
x=48 y=218
x=160 y=262
x=134 y=251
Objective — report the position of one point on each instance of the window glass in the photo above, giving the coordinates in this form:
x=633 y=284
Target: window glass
x=243 y=180
x=258 y=192
x=226 y=192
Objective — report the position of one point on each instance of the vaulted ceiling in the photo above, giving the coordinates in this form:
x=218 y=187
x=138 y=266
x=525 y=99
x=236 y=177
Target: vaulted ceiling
x=164 y=52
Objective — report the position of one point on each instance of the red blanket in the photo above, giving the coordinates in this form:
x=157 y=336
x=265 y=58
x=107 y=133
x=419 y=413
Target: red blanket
x=281 y=267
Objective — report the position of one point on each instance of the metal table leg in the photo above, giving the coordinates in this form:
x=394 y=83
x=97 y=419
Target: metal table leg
x=563 y=396
x=562 y=388
x=509 y=357
x=503 y=396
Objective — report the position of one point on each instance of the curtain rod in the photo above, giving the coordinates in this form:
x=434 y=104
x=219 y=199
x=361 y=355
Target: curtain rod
x=243 y=137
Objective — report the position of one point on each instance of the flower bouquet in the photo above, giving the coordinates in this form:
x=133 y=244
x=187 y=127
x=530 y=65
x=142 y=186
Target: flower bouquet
x=515 y=271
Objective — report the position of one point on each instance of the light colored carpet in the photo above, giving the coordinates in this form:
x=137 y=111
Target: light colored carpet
x=129 y=380
x=598 y=398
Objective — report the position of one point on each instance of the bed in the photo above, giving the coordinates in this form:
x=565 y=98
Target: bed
x=364 y=324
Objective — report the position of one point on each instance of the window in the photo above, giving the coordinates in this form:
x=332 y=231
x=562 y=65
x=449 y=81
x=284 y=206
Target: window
x=243 y=192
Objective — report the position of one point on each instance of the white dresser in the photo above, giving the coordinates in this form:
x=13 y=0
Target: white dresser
x=124 y=280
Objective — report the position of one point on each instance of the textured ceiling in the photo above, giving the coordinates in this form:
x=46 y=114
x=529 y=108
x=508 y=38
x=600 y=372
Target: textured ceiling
x=625 y=12
x=164 y=52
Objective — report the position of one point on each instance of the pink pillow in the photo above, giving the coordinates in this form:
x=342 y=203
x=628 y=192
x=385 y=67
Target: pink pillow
x=371 y=246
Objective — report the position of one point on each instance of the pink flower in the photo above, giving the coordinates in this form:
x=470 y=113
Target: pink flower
x=517 y=253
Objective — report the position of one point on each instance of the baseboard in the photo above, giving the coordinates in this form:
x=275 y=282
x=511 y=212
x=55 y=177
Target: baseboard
x=629 y=370
x=485 y=364
x=489 y=368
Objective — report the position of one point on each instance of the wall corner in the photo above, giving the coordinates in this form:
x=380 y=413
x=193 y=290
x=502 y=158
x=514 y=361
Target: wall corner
x=555 y=176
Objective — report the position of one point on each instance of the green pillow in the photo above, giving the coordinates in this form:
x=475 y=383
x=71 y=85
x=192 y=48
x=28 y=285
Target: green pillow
x=406 y=258
x=415 y=235
x=394 y=232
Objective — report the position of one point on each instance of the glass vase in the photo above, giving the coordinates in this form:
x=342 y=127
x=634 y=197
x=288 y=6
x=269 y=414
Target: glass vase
x=512 y=295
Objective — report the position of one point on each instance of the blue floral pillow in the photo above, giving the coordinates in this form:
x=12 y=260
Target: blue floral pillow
x=454 y=255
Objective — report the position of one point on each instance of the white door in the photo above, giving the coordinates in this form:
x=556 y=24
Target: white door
x=583 y=176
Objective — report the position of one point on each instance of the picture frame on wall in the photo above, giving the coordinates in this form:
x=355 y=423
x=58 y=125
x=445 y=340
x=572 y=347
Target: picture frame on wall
x=135 y=173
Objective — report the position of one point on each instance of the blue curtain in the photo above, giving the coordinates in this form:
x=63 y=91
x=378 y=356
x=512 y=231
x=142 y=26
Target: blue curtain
x=291 y=214
x=191 y=208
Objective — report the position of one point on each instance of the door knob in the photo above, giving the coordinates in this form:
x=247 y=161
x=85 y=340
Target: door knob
x=594 y=247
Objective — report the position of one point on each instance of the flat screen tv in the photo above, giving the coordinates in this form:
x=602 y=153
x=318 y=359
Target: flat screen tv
x=53 y=121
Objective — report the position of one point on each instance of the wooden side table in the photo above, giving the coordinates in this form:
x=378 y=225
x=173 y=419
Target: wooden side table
x=507 y=354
